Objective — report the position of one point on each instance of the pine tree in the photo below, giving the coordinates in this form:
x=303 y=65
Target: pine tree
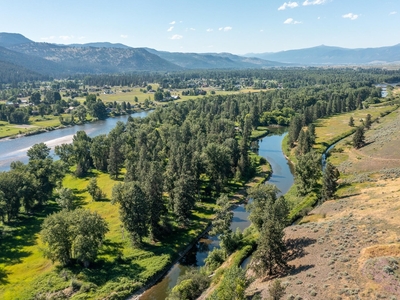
x=368 y=121
x=308 y=171
x=351 y=121
x=270 y=256
x=359 y=138
x=133 y=210
x=329 y=185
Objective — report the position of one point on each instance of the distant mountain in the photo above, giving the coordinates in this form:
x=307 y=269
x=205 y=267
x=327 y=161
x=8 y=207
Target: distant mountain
x=33 y=63
x=327 y=55
x=96 y=60
x=213 y=60
x=10 y=39
x=99 y=45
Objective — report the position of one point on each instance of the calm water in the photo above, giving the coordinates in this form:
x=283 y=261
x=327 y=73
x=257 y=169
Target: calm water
x=270 y=147
x=15 y=149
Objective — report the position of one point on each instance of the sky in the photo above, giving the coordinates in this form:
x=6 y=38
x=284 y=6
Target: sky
x=238 y=27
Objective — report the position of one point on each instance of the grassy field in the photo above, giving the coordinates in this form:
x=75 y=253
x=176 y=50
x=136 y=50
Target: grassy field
x=120 y=269
x=328 y=130
x=22 y=262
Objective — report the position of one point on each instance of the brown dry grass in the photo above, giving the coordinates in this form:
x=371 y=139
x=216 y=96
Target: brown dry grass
x=347 y=247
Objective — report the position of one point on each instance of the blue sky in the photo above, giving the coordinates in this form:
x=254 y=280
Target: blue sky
x=238 y=27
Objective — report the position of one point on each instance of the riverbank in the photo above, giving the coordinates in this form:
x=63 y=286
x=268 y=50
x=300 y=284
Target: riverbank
x=14 y=131
x=121 y=260
x=264 y=172
x=347 y=244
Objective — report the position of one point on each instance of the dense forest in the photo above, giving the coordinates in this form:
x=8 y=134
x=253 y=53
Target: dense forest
x=182 y=153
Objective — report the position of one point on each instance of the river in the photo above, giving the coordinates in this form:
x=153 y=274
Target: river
x=270 y=147
x=15 y=149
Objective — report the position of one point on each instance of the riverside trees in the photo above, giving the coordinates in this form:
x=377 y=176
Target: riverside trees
x=269 y=215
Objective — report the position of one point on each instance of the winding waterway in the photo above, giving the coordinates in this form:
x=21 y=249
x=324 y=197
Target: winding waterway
x=15 y=149
x=270 y=147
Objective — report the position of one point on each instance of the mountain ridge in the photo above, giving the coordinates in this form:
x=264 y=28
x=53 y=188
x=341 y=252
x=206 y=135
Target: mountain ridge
x=113 y=58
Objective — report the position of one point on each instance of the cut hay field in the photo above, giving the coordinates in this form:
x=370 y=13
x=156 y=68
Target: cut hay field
x=349 y=247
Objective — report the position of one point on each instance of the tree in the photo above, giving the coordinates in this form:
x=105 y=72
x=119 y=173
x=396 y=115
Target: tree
x=359 y=138
x=183 y=197
x=294 y=129
x=115 y=156
x=266 y=205
x=88 y=231
x=270 y=256
x=133 y=210
x=69 y=235
x=308 y=171
x=329 y=181
x=65 y=198
x=368 y=121
x=351 y=121
x=80 y=112
x=223 y=216
x=153 y=188
x=35 y=98
x=94 y=190
x=81 y=143
x=99 y=151
x=98 y=110
x=39 y=151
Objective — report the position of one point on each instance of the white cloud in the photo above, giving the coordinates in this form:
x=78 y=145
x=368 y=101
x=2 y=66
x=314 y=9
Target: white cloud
x=192 y=29
x=170 y=29
x=210 y=30
x=291 y=21
x=124 y=36
x=81 y=38
x=227 y=28
x=350 y=16
x=172 y=23
x=261 y=30
x=314 y=2
x=48 y=38
x=288 y=5
x=176 y=37
x=66 y=37
x=393 y=13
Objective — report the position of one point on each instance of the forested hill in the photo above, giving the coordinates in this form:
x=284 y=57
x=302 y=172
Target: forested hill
x=321 y=55
x=108 y=58
x=214 y=60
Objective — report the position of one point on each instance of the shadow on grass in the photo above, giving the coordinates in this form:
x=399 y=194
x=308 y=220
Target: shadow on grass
x=103 y=271
x=296 y=247
x=3 y=276
x=22 y=233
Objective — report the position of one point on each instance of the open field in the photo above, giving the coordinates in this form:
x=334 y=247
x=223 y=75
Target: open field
x=349 y=248
x=120 y=266
x=329 y=129
x=118 y=258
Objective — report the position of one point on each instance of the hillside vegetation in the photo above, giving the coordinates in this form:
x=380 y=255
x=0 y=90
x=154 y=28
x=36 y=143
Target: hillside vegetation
x=348 y=248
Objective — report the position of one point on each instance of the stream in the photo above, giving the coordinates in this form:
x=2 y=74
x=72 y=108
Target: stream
x=270 y=147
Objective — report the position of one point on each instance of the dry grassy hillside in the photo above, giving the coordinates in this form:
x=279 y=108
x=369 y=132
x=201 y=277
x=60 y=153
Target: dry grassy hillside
x=349 y=248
